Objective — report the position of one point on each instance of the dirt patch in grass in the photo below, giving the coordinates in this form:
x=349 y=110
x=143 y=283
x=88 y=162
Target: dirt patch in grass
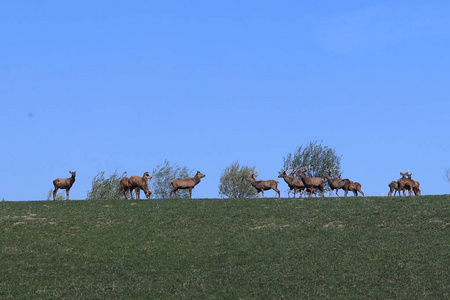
x=334 y=224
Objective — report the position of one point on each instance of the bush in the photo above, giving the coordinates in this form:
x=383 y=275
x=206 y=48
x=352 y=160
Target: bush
x=320 y=158
x=162 y=175
x=233 y=183
x=105 y=188
x=60 y=195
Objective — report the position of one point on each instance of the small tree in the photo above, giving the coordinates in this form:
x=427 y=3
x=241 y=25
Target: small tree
x=105 y=188
x=321 y=158
x=162 y=175
x=233 y=183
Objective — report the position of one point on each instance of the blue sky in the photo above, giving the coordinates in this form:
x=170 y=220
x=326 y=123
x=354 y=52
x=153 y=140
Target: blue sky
x=123 y=85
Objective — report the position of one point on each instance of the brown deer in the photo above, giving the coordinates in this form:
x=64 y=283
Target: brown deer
x=64 y=183
x=263 y=185
x=355 y=187
x=295 y=184
x=416 y=187
x=185 y=183
x=140 y=183
x=126 y=187
x=393 y=187
x=406 y=183
x=311 y=183
x=337 y=183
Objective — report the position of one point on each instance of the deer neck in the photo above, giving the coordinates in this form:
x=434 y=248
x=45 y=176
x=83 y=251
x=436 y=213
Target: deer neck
x=196 y=179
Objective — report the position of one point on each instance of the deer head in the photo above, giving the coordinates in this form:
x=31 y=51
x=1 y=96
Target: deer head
x=200 y=174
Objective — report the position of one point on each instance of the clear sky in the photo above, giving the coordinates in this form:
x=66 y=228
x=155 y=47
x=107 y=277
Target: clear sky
x=123 y=85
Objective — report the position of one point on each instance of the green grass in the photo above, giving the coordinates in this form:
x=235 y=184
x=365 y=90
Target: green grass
x=320 y=248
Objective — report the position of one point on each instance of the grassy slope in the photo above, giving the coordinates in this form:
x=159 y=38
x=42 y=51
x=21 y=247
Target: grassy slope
x=332 y=248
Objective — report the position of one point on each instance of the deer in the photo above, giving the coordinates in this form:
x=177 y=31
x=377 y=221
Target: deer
x=185 y=183
x=140 y=183
x=337 y=183
x=355 y=187
x=311 y=183
x=293 y=183
x=64 y=183
x=126 y=187
x=406 y=183
x=393 y=187
x=416 y=187
x=263 y=185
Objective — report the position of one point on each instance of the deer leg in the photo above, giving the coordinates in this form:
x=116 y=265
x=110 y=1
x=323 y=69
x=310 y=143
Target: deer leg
x=278 y=192
x=54 y=193
x=190 y=193
x=67 y=194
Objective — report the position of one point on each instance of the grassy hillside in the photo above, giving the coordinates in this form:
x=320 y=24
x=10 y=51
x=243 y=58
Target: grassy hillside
x=328 y=248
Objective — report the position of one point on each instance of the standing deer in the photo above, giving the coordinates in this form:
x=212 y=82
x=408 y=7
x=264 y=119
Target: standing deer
x=140 y=183
x=263 y=185
x=64 y=183
x=337 y=183
x=355 y=187
x=311 y=183
x=405 y=183
x=295 y=184
x=126 y=187
x=186 y=183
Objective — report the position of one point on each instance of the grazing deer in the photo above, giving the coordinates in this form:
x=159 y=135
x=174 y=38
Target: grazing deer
x=64 y=183
x=393 y=187
x=337 y=183
x=263 y=185
x=355 y=187
x=295 y=184
x=141 y=183
x=185 y=183
x=311 y=183
x=126 y=187
x=416 y=187
x=406 y=183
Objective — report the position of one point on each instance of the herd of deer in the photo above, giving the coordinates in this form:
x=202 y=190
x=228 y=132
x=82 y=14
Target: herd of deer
x=136 y=183
x=302 y=184
x=306 y=184
x=403 y=184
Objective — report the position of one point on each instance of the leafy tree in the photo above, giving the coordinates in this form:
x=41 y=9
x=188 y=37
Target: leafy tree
x=162 y=175
x=233 y=183
x=105 y=188
x=320 y=158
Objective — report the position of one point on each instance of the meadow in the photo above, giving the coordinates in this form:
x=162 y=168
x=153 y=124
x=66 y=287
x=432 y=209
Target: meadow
x=318 y=248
